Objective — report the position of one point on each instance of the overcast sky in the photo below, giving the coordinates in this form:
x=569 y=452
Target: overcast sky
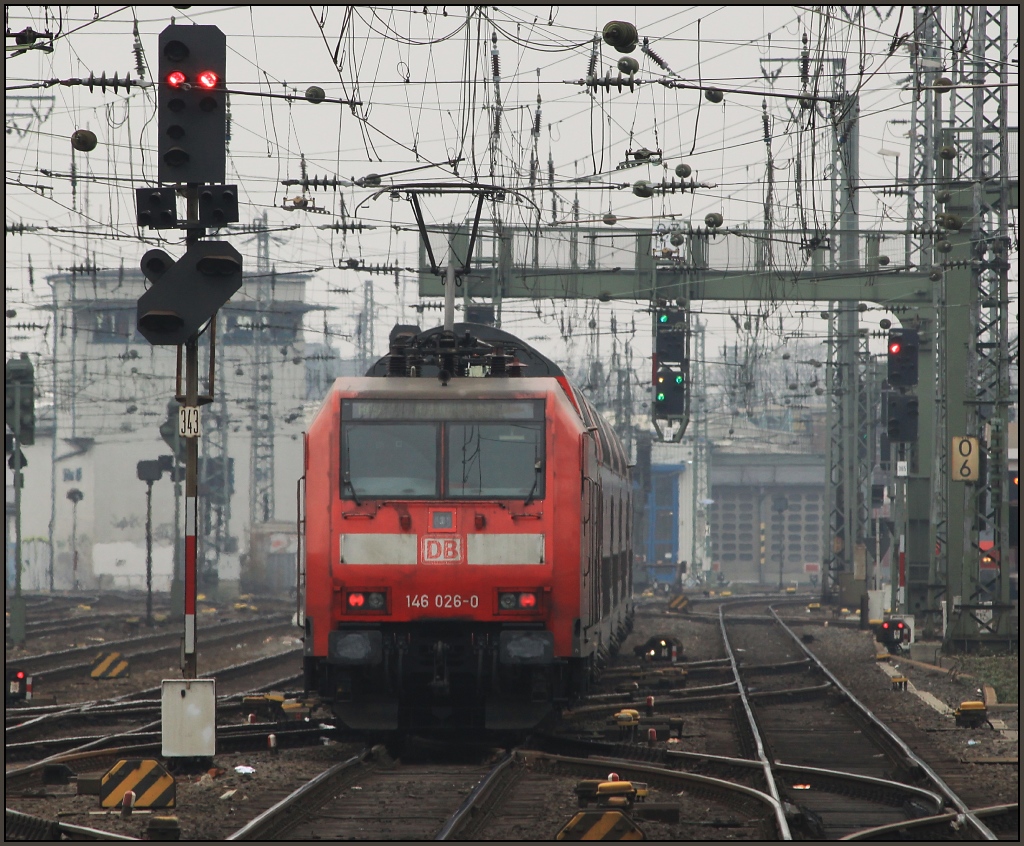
x=423 y=76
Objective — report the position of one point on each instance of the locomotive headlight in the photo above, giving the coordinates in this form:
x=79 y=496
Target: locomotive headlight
x=508 y=601
x=375 y=601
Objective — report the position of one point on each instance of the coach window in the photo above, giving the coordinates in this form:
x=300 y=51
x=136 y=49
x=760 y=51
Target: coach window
x=495 y=460
x=389 y=460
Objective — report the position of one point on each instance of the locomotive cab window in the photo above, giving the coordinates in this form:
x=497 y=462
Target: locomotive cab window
x=389 y=460
x=435 y=449
x=495 y=460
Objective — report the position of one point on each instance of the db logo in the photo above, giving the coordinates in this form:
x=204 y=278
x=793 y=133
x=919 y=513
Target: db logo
x=446 y=550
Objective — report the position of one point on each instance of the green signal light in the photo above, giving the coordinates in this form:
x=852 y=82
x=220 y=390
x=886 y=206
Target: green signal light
x=662 y=318
x=679 y=380
x=661 y=396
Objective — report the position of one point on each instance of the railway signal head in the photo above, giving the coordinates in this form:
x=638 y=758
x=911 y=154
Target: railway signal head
x=191 y=104
x=902 y=350
x=19 y=399
x=671 y=332
x=901 y=420
x=669 y=392
x=17 y=685
x=187 y=294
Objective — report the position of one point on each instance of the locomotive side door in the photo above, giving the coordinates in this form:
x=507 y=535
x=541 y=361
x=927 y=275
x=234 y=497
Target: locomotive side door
x=300 y=536
x=590 y=529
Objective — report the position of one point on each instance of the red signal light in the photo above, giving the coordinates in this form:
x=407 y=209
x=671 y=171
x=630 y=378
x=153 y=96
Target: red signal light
x=208 y=79
x=527 y=600
x=899 y=625
x=356 y=600
x=895 y=347
x=885 y=625
x=176 y=79
x=20 y=674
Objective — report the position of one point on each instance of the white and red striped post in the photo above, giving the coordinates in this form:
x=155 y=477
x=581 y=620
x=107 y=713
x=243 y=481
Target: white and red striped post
x=902 y=583
x=190 y=585
x=190 y=669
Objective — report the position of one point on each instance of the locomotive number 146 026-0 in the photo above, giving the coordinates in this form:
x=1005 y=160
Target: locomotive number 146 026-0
x=440 y=600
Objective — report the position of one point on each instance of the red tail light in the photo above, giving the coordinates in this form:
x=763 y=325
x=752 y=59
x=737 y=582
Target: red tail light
x=518 y=601
x=367 y=601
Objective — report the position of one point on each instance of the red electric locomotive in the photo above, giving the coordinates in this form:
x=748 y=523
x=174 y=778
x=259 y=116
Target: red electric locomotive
x=466 y=553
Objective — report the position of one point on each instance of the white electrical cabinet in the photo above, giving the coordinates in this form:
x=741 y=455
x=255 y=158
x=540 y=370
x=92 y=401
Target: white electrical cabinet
x=188 y=711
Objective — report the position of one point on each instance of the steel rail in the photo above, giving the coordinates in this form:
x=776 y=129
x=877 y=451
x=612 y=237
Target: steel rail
x=716 y=785
x=766 y=766
x=892 y=829
x=252 y=829
x=950 y=819
x=983 y=830
x=227 y=629
x=102 y=706
x=58 y=673
x=476 y=796
x=21 y=826
x=928 y=797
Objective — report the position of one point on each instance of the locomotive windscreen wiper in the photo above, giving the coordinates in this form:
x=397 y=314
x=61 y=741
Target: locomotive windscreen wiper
x=346 y=482
x=346 y=478
x=538 y=471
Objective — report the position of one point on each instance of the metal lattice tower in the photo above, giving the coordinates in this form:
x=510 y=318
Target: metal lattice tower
x=261 y=449
x=978 y=165
x=925 y=119
x=848 y=483
x=701 y=465
x=622 y=366
x=924 y=58
x=216 y=479
x=364 y=329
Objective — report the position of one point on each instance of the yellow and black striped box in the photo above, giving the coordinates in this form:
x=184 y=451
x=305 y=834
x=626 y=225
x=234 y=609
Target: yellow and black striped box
x=154 y=787
x=601 y=825
x=679 y=602
x=110 y=665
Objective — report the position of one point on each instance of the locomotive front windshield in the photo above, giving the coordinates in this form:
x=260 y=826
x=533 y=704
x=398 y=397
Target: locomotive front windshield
x=438 y=449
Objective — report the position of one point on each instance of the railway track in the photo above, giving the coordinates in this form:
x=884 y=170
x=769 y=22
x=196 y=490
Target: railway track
x=802 y=729
x=712 y=761
x=39 y=739
x=67 y=663
x=791 y=723
x=371 y=796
